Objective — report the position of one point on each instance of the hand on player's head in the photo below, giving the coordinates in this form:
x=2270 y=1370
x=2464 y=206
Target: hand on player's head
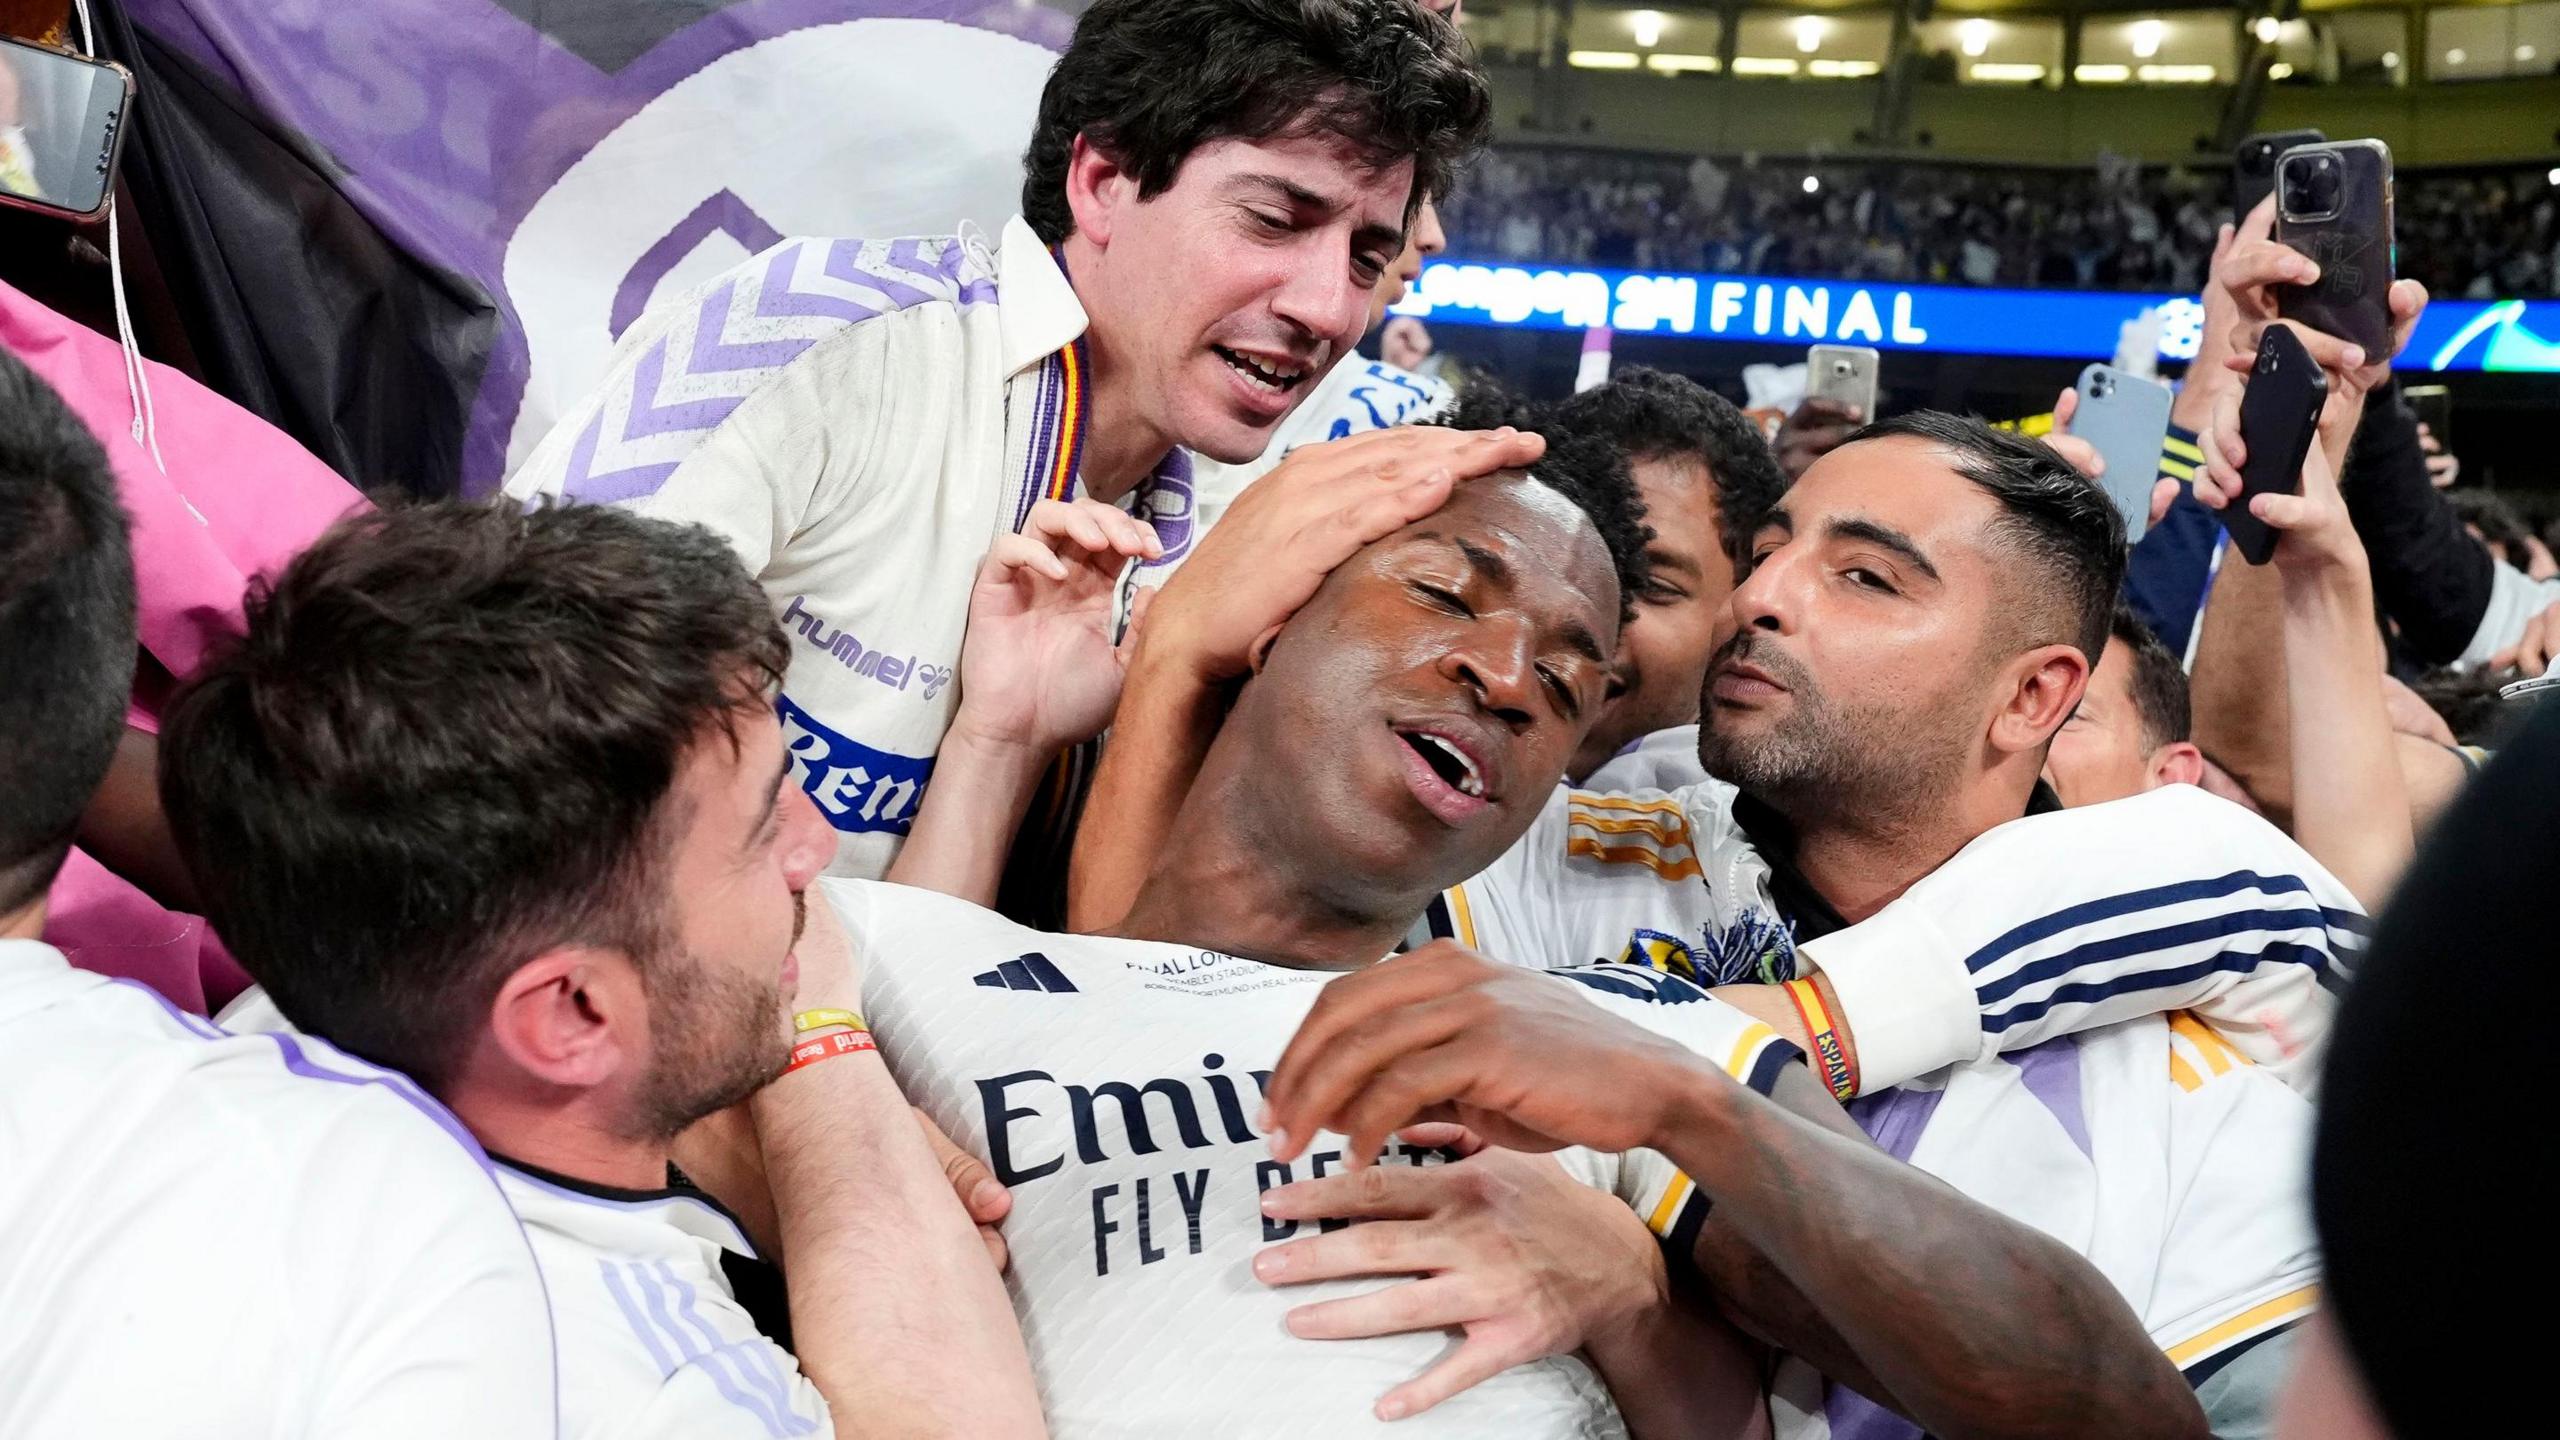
x=1294 y=526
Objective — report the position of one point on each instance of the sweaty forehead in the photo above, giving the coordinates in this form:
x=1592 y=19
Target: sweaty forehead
x=1546 y=540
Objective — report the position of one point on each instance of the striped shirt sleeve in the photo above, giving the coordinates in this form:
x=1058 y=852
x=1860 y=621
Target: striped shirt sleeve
x=2058 y=923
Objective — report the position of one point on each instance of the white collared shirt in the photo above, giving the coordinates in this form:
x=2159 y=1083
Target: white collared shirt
x=859 y=420
x=218 y=1235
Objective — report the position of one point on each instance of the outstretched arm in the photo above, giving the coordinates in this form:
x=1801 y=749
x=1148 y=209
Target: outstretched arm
x=2350 y=803
x=1972 y=1323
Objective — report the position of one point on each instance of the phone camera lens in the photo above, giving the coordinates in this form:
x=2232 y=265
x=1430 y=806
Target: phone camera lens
x=2313 y=185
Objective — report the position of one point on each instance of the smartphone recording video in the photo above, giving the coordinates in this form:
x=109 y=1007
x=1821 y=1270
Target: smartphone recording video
x=61 y=129
x=2334 y=204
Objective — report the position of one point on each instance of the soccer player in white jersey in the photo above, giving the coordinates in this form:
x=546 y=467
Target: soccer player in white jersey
x=499 y=797
x=1212 y=189
x=1110 y=1081
x=203 y=1234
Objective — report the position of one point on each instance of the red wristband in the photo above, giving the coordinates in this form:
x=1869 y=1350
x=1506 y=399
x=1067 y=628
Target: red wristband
x=828 y=1047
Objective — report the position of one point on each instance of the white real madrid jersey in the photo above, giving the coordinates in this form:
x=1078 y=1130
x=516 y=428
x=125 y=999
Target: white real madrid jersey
x=653 y=1342
x=2047 y=925
x=2152 y=1147
x=1113 y=1085
x=859 y=420
x=218 y=1236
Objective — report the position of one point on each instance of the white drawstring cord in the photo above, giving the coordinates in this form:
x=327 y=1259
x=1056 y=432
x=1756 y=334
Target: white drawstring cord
x=137 y=379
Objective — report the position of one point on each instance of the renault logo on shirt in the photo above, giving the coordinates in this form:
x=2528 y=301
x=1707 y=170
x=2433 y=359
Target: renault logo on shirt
x=857 y=788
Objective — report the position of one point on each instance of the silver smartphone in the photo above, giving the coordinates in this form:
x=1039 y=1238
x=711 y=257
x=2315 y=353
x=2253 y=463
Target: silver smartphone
x=62 y=122
x=1844 y=373
x=2124 y=418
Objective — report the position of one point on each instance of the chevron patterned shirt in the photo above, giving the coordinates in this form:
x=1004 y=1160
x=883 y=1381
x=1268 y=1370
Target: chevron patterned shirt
x=1114 y=1085
x=859 y=420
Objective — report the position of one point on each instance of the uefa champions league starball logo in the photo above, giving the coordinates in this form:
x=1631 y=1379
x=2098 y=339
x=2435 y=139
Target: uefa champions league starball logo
x=2181 y=329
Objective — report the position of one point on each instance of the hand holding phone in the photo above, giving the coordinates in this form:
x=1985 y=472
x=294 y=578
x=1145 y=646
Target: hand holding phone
x=2124 y=417
x=2279 y=419
x=1845 y=375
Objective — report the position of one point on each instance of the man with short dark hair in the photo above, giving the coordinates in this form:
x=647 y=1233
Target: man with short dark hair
x=1212 y=190
x=265 y=1236
x=1706 y=477
x=1916 y=627
x=2130 y=732
x=499 y=797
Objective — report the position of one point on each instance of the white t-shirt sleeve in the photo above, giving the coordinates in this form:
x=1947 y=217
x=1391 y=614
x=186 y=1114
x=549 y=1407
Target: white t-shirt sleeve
x=2514 y=599
x=442 y=1324
x=746 y=1390
x=2059 y=923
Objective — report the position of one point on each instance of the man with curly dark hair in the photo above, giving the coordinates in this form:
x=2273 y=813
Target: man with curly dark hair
x=1211 y=192
x=1707 y=477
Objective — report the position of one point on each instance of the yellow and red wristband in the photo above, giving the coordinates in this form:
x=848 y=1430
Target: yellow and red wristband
x=1838 y=1075
x=847 y=1034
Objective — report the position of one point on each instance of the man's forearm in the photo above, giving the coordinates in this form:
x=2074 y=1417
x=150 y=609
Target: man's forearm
x=1166 y=719
x=2350 y=802
x=896 y=1312
x=981 y=789
x=2237 y=690
x=1679 y=1372
x=1971 y=1323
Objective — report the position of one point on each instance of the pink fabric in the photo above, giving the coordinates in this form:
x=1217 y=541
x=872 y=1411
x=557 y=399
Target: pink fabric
x=239 y=499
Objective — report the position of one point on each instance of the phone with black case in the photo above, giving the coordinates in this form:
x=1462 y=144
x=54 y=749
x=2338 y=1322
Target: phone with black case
x=2253 y=167
x=2333 y=203
x=2279 y=418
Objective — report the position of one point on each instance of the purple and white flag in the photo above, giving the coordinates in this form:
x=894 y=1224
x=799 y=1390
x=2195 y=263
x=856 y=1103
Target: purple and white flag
x=409 y=231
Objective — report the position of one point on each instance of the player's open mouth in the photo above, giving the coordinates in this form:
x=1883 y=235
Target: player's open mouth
x=1277 y=376
x=1444 y=776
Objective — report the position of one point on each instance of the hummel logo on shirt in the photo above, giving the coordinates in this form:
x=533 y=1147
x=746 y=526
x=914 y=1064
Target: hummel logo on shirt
x=1028 y=972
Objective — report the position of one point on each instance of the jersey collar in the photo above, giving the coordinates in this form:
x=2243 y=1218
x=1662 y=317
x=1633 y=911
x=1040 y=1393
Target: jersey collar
x=1799 y=904
x=679 y=1202
x=1039 y=313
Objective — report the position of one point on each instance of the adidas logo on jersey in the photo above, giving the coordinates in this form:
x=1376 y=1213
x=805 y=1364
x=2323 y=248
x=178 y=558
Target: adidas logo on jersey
x=1028 y=972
